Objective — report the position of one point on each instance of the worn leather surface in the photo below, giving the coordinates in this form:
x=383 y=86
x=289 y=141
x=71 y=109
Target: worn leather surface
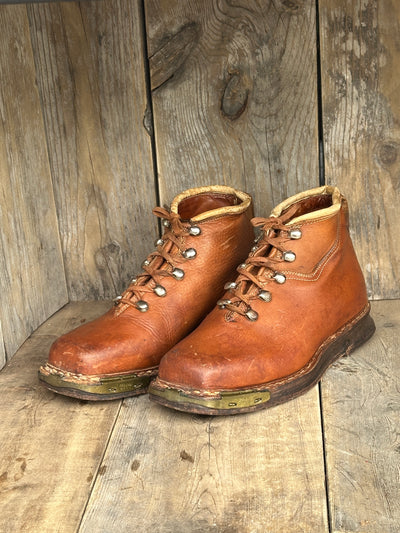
x=324 y=289
x=124 y=339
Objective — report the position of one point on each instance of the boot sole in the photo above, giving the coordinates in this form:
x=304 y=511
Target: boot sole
x=96 y=388
x=235 y=401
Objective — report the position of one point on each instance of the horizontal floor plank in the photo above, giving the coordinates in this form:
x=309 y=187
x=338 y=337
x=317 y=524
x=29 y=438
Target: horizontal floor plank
x=361 y=410
x=51 y=446
x=172 y=472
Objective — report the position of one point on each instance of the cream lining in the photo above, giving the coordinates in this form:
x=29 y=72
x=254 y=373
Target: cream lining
x=327 y=211
x=228 y=210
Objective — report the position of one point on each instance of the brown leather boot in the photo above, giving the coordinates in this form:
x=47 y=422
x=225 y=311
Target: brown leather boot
x=206 y=233
x=298 y=304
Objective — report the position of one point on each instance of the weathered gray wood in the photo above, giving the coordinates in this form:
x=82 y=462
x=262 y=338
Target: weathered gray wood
x=51 y=446
x=32 y=280
x=361 y=114
x=361 y=407
x=89 y=60
x=2 y=349
x=170 y=472
x=234 y=95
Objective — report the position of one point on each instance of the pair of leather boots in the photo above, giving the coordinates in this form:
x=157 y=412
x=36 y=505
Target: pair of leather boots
x=205 y=335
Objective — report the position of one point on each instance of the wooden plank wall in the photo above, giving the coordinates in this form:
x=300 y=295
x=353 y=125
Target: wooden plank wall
x=235 y=99
x=225 y=108
x=32 y=280
x=360 y=42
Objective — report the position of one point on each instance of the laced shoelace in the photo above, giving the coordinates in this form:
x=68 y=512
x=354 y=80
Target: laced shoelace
x=163 y=262
x=260 y=268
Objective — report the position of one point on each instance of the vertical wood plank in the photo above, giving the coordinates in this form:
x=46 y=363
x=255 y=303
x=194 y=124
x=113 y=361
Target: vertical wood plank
x=361 y=407
x=32 y=280
x=234 y=95
x=51 y=446
x=2 y=349
x=361 y=112
x=170 y=472
x=89 y=59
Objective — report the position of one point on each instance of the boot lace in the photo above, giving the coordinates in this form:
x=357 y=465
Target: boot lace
x=261 y=266
x=163 y=262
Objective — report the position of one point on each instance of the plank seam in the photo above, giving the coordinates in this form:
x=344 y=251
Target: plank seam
x=150 y=117
x=328 y=507
x=321 y=154
x=96 y=475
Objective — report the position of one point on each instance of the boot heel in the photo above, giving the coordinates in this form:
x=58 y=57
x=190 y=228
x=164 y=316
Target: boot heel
x=341 y=344
x=351 y=339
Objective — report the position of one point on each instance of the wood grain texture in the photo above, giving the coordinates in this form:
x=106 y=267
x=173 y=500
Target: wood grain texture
x=170 y=472
x=361 y=407
x=361 y=113
x=51 y=446
x=89 y=60
x=234 y=96
x=2 y=349
x=32 y=281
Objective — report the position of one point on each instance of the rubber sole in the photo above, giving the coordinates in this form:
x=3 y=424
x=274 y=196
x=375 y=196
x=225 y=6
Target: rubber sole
x=96 y=388
x=235 y=401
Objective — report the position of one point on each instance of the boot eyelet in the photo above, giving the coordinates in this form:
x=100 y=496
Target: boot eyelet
x=178 y=273
x=142 y=306
x=242 y=266
x=166 y=223
x=160 y=290
x=231 y=285
x=145 y=263
x=251 y=315
x=223 y=303
x=133 y=281
x=254 y=248
x=289 y=256
x=117 y=300
x=159 y=242
x=295 y=234
x=190 y=253
x=265 y=296
x=279 y=278
x=194 y=230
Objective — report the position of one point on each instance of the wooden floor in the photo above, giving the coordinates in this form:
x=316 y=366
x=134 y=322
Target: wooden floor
x=326 y=462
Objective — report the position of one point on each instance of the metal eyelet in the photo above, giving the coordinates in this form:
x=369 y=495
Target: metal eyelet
x=159 y=242
x=289 y=256
x=242 y=265
x=254 y=249
x=133 y=281
x=251 y=315
x=190 y=253
x=265 y=296
x=142 y=306
x=178 y=273
x=279 y=278
x=145 y=263
x=166 y=223
x=295 y=234
x=194 y=230
x=160 y=290
x=231 y=285
x=117 y=300
x=223 y=303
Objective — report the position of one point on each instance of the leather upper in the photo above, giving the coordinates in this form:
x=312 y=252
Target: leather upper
x=324 y=289
x=125 y=339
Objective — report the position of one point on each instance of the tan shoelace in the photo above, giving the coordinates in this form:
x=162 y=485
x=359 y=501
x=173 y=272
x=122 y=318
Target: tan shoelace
x=260 y=268
x=164 y=261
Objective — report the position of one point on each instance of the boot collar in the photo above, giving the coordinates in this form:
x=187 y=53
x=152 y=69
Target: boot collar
x=327 y=190
x=242 y=201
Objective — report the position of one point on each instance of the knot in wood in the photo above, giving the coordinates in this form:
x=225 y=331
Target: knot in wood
x=234 y=99
x=387 y=153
